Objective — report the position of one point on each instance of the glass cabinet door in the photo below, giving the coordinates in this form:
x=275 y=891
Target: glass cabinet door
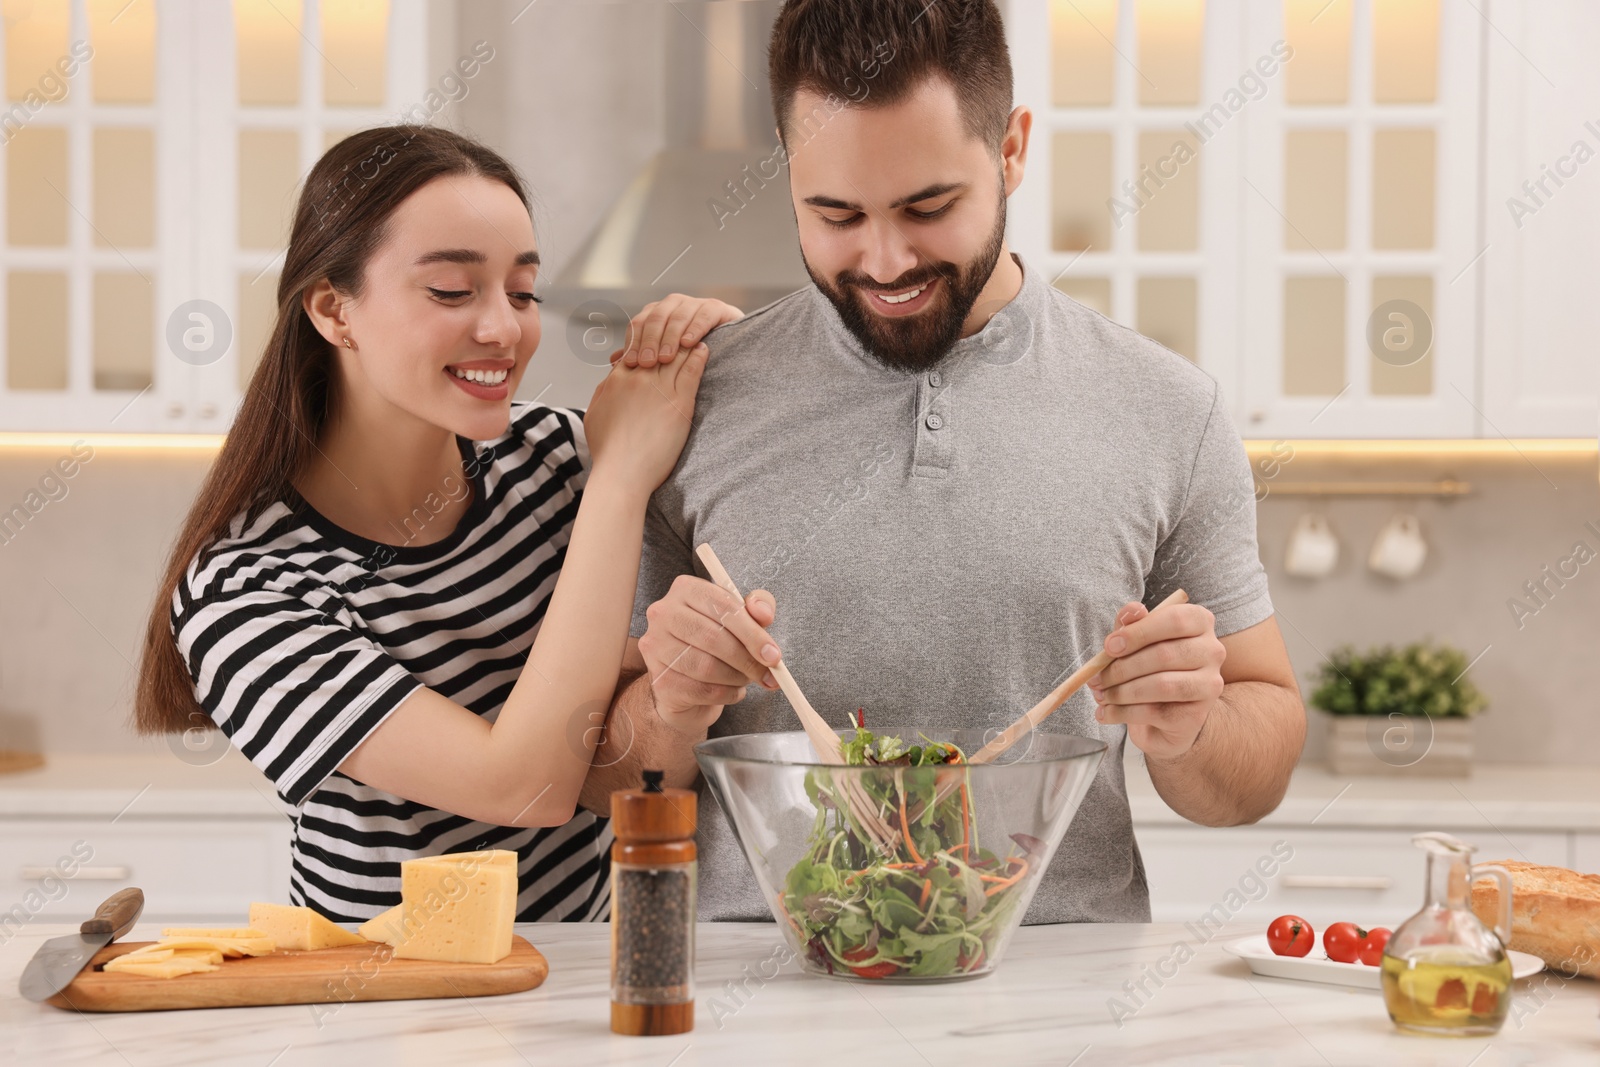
x=1363 y=249
x=1134 y=164
x=152 y=153
x=1284 y=191
x=83 y=250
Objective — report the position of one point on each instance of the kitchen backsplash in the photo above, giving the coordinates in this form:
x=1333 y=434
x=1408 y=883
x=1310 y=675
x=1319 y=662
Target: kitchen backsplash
x=78 y=579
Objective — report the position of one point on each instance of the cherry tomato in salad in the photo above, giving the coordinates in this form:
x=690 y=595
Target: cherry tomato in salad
x=1290 y=935
x=1371 y=948
x=881 y=969
x=1342 y=942
x=965 y=963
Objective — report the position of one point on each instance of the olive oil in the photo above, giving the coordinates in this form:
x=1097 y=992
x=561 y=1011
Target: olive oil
x=1443 y=971
x=1443 y=989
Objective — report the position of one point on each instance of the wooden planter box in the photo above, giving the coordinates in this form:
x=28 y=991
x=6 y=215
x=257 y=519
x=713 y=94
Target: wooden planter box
x=1400 y=745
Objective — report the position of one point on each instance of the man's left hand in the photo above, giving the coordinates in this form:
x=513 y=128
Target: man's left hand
x=1166 y=677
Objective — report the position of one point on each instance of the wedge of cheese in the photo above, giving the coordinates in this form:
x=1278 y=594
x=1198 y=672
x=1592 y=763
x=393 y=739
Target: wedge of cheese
x=457 y=908
x=385 y=927
x=300 y=929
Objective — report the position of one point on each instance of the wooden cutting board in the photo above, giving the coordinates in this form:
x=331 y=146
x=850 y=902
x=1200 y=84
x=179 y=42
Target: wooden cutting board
x=322 y=976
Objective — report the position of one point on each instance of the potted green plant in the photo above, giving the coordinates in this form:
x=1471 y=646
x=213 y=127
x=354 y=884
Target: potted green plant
x=1398 y=711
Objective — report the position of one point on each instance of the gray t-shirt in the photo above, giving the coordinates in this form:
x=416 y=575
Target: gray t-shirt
x=945 y=547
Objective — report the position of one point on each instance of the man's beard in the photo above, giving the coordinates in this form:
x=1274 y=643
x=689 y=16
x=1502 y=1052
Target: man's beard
x=915 y=342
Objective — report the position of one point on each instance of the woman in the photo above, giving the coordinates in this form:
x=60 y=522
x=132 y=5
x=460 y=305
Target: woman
x=355 y=594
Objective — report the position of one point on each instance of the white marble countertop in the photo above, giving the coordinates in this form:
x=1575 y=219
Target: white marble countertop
x=1047 y=1004
x=160 y=784
x=1504 y=795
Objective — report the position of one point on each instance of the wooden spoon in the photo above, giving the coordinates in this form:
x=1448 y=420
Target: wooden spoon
x=1058 y=696
x=1045 y=708
x=824 y=740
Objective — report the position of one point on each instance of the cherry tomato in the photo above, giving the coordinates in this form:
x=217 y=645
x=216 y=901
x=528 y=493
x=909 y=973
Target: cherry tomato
x=881 y=969
x=1342 y=942
x=1371 y=948
x=1452 y=994
x=966 y=963
x=1290 y=935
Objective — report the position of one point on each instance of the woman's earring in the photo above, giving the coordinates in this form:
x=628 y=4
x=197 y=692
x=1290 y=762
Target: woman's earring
x=347 y=343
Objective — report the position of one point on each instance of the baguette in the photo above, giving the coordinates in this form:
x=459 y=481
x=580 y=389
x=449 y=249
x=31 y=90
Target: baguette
x=1555 y=914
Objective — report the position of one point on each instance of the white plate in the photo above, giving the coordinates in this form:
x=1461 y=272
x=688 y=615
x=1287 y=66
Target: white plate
x=1315 y=966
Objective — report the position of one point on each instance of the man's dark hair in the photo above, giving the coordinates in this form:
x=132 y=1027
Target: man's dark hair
x=876 y=52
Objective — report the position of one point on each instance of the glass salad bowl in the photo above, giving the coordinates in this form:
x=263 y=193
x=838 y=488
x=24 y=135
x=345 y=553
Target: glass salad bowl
x=858 y=898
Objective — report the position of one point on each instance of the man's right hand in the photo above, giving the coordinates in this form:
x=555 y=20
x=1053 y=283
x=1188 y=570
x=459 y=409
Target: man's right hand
x=703 y=647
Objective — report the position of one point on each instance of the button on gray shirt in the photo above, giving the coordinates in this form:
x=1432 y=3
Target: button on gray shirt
x=945 y=547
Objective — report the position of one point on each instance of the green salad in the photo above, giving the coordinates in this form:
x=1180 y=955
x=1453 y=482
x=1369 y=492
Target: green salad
x=930 y=909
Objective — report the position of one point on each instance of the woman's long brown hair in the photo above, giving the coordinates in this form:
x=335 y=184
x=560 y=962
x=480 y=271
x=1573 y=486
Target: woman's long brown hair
x=342 y=218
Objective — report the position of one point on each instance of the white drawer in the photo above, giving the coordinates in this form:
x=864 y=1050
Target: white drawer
x=1586 y=853
x=1369 y=877
x=190 y=869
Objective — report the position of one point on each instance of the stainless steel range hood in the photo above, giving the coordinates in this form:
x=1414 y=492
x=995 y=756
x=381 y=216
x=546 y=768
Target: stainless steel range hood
x=709 y=215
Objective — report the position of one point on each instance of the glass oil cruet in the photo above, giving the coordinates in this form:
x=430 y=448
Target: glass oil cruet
x=1444 y=971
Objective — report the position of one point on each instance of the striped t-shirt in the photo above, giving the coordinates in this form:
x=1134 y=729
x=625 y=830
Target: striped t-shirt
x=301 y=637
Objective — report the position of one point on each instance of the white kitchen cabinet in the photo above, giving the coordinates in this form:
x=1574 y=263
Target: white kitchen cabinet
x=1355 y=269
x=1124 y=208
x=146 y=209
x=1360 y=210
x=1542 y=213
x=1350 y=837
x=191 y=870
x=1586 y=853
x=1364 y=875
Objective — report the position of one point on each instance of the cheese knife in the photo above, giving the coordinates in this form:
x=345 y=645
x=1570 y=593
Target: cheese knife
x=59 y=959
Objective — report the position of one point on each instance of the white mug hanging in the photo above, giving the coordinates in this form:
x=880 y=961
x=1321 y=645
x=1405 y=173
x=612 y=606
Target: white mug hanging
x=1313 y=549
x=1398 y=550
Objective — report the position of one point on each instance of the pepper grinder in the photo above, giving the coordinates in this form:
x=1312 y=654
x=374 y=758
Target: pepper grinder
x=653 y=872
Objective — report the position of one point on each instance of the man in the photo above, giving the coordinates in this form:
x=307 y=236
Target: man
x=950 y=481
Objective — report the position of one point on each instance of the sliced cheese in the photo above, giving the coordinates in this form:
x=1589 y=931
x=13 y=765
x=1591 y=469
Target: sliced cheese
x=163 y=949
x=155 y=950
x=190 y=950
x=301 y=929
x=232 y=947
x=170 y=967
x=228 y=946
x=385 y=927
x=458 y=908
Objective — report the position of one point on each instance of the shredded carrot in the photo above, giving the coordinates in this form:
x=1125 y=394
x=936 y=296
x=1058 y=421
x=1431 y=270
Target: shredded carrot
x=905 y=827
x=786 y=915
x=1006 y=883
x=927 y=887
